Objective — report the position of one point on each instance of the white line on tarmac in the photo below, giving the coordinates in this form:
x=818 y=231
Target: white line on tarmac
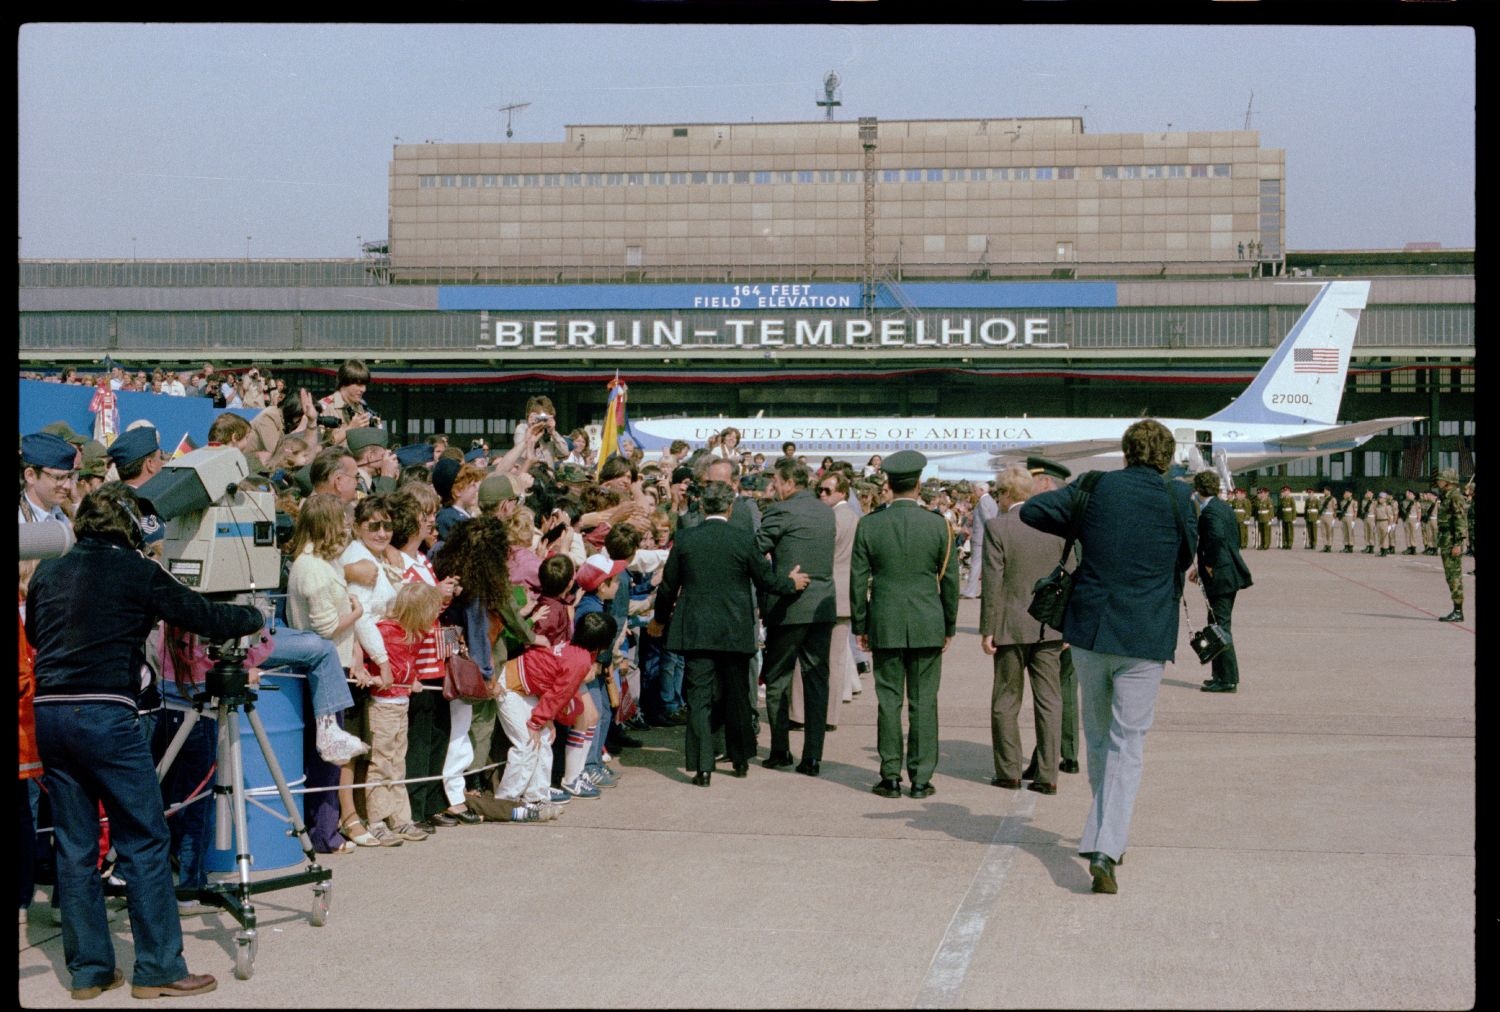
x=950 y=964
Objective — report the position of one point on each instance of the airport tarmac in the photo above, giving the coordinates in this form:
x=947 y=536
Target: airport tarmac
x=1306 y=843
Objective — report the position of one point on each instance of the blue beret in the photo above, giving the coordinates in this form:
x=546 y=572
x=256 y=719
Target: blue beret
x=414 y=453
x=474 y=454
x=443 y=473
x=43 y=449
x=133 y=445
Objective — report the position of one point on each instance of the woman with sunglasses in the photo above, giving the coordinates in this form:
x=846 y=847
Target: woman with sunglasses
x=374 y=568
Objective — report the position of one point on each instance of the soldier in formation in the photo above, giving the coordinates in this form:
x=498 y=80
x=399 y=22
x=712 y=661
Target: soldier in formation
x=1453 y=531
x=1312 y=508
x=1264 y=511
x=1348 y=514
x=1287 y=508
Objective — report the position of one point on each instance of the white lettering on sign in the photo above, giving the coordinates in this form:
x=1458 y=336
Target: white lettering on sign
x=770 y=332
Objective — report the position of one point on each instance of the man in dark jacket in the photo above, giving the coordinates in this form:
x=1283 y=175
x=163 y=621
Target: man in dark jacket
x=1121 y=621
x=798 y=530
x=715 y=570
x=88 y=655
x=1221 y=571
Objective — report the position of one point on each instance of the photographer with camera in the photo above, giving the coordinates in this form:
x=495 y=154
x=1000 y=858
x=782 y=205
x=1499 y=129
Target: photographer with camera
x=347 y=403
x=538 y=438
x=87 y=663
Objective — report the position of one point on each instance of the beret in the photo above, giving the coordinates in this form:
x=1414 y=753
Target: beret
x=134 y=444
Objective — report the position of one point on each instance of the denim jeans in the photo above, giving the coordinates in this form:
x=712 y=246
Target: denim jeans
x=319 y=658
x=606 y=717
x=93 y=753
x=191 y=827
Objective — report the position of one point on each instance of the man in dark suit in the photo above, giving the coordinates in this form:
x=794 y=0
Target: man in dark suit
x=1221 y=572
x=903 y=604
x=1121 y=621
x=1015 y=558
x=710 y=579
x=797 y=529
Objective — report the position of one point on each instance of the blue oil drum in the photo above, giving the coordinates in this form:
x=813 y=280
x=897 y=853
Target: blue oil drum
x=282 y=708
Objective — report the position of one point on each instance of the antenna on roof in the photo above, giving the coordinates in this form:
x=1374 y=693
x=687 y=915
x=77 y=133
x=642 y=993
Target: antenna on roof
x=830 y=97
x=508 y=109
x=1248 y=106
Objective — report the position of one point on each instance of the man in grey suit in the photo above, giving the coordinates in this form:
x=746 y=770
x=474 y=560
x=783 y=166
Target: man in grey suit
x=985 y=510
x=1221 y=572
x=833 y=489
x=1015 y=558
x=797 y=529
x=1121 y=621
x=1047 y=475
x=710 y=579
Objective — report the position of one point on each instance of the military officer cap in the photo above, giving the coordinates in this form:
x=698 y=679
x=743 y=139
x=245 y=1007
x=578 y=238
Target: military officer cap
x=904 y=464
x=1448 y=474
x=572 y=474
x=1041 y=465
x=65 y=431
x=95 y=462
x=414 y=453
x=134 y=444
x=358 y=439
x=43 y=449
x=443 y=473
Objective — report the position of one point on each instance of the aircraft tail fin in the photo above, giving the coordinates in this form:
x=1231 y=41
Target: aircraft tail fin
x=1303 y=381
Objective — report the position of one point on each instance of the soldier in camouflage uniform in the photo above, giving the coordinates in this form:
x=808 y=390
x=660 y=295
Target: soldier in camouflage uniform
x=1241 y=506
x=1264 y=511
x=1367 y=514
x=1453 y=531
x=1288 y=510
x=1312 y=507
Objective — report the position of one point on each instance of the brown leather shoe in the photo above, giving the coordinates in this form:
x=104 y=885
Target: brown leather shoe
x=1042 y=787
x=193 y=983
x=95 y=990
x=1009 y=785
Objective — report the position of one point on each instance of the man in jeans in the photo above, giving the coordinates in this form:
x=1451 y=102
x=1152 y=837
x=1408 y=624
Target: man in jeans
x=1121 y=621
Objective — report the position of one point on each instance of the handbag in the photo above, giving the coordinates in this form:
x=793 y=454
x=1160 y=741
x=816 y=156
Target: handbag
x=1049 y=595
x=1210 y=641
x=463 y=680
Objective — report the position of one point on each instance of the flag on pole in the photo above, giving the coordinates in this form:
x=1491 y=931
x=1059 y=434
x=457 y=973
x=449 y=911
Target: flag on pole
x=614 y=422
x=184 y=445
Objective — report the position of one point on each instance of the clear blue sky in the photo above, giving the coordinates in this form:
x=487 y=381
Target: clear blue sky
x=182 y=140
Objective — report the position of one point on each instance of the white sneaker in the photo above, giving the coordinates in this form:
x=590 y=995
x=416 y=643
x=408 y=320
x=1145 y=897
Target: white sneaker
x=335 y=745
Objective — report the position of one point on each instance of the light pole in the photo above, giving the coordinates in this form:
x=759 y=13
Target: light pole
x=247 y=248
x=132 y=248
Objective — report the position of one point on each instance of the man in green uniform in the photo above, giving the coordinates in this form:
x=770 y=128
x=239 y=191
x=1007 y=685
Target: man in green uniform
x=1453 y=531
x=903 y=604
x=1264 y=510
x=1312 y=507
x=1287 y=507
x=1241 y=506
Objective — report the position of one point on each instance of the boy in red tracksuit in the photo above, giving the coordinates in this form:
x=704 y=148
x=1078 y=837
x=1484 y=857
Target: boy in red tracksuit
x=542 y=686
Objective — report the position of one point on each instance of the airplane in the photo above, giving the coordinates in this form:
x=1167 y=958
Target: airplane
x=1289 y=411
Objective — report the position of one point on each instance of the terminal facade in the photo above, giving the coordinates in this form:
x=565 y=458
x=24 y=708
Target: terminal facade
x=914 y=268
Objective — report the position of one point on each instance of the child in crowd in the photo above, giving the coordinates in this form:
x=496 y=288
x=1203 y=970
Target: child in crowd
x=555 y=578
x=598 y=578
x=412 y=617
x=542 y=686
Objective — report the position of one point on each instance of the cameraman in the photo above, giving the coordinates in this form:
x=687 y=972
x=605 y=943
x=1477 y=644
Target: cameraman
x=87 y=657
x=348 y=401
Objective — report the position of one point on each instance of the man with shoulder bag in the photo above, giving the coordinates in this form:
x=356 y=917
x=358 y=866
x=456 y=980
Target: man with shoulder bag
x=1221 y=572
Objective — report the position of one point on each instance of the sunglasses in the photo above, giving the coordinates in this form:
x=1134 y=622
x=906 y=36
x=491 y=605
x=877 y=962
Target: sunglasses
x=826 y=491
x=379 y=525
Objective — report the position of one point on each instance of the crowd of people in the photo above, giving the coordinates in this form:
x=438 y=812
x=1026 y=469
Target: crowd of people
x=597 y=598
x=247 y=388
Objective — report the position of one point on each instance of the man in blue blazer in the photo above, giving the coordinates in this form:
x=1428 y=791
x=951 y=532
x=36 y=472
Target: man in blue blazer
x=1221 y=572
x=706 y=602
x=1138 y=539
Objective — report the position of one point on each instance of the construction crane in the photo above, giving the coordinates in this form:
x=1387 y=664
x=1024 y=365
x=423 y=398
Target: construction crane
x=508 y=110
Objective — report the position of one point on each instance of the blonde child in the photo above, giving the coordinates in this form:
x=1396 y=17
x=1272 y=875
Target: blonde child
x=411 y=617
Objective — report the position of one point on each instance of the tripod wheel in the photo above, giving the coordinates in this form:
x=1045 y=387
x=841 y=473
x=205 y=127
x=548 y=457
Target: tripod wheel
x=245 y=944
x=321 y=898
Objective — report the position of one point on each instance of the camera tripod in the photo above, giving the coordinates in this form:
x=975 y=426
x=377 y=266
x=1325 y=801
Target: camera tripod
x=227 y=691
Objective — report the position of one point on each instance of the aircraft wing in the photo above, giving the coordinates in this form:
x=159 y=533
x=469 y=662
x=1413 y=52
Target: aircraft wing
x=1343 y=433
x=1060 y=451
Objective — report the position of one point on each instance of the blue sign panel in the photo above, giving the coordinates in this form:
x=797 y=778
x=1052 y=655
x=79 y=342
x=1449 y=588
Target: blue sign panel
x=777 y=297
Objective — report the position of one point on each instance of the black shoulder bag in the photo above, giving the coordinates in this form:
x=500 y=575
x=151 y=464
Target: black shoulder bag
x=1213 y=639
x=1049 y=595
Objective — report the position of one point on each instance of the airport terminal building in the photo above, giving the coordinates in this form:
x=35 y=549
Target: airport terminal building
x=1000 y=267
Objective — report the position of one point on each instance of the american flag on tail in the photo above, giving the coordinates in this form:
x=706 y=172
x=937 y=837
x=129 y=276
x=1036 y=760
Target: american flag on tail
x=1315 y=360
